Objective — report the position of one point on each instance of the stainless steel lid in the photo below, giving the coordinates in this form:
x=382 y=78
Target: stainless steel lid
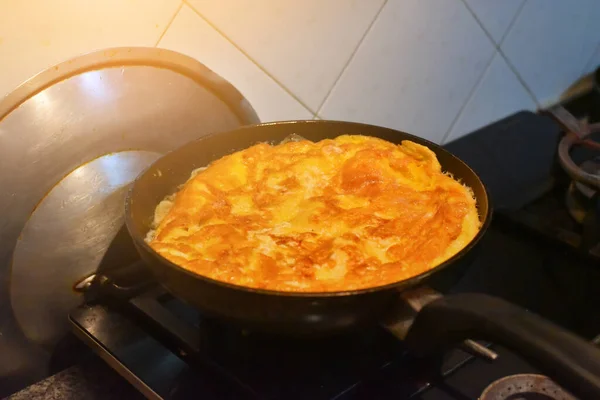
x=71 y=140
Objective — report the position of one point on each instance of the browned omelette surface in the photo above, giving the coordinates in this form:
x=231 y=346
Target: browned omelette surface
x=349 y=213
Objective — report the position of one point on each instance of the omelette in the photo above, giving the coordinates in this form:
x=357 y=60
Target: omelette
x=340 y=214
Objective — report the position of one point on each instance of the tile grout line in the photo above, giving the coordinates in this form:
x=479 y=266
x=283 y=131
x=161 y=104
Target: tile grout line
x=509 y=63
x=498 y=52
x=485 y=31
x=519 y=77
x=479 y=81
x=220 y=32
x=512 y=23
x=469 y=96
x=169 y=24
x=352 y=55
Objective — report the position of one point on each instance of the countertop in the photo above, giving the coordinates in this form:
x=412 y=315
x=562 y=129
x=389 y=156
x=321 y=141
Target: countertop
x=89 y=380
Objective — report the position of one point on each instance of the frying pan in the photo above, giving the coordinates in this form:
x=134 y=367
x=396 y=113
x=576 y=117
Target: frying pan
x=442 y=322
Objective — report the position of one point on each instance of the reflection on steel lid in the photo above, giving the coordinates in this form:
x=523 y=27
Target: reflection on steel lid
x=72 y=138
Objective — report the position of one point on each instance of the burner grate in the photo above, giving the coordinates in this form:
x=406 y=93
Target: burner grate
x=153 y=330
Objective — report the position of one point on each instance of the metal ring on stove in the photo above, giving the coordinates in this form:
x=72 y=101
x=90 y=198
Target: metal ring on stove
x=578 y=174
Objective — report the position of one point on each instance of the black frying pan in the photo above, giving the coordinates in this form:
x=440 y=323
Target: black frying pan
x=441 y=323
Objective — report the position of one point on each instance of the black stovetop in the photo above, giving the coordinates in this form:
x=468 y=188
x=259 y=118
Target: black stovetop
x=515 y=158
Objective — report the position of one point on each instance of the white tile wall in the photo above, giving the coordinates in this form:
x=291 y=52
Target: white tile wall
x=499 y=93
x=190 y=34
x=495 y=16
x=437 y=68
x=303 y=44
x=414 y=70
x=36 y=34
x=550 y=43
x=594 y=62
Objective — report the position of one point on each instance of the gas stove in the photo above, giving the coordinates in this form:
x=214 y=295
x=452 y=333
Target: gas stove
x=63 y=222
x=167 y=349
x=565 y=206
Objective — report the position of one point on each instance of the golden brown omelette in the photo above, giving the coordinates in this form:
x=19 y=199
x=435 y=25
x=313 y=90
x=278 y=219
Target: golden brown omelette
x=341 y=214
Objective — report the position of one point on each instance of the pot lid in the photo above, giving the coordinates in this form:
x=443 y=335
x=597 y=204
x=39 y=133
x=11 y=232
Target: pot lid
x=71 y=140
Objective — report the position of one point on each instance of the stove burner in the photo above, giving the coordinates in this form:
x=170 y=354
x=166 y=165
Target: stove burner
x=525 y=387
x=568 y=209
x=587 y=172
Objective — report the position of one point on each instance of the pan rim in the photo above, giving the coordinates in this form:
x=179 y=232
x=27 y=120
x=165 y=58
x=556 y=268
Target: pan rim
x=398 y=285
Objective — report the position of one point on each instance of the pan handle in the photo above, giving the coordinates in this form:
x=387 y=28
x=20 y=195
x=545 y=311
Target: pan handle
x=563 y=356
x=117 y=283
x=402 y=314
